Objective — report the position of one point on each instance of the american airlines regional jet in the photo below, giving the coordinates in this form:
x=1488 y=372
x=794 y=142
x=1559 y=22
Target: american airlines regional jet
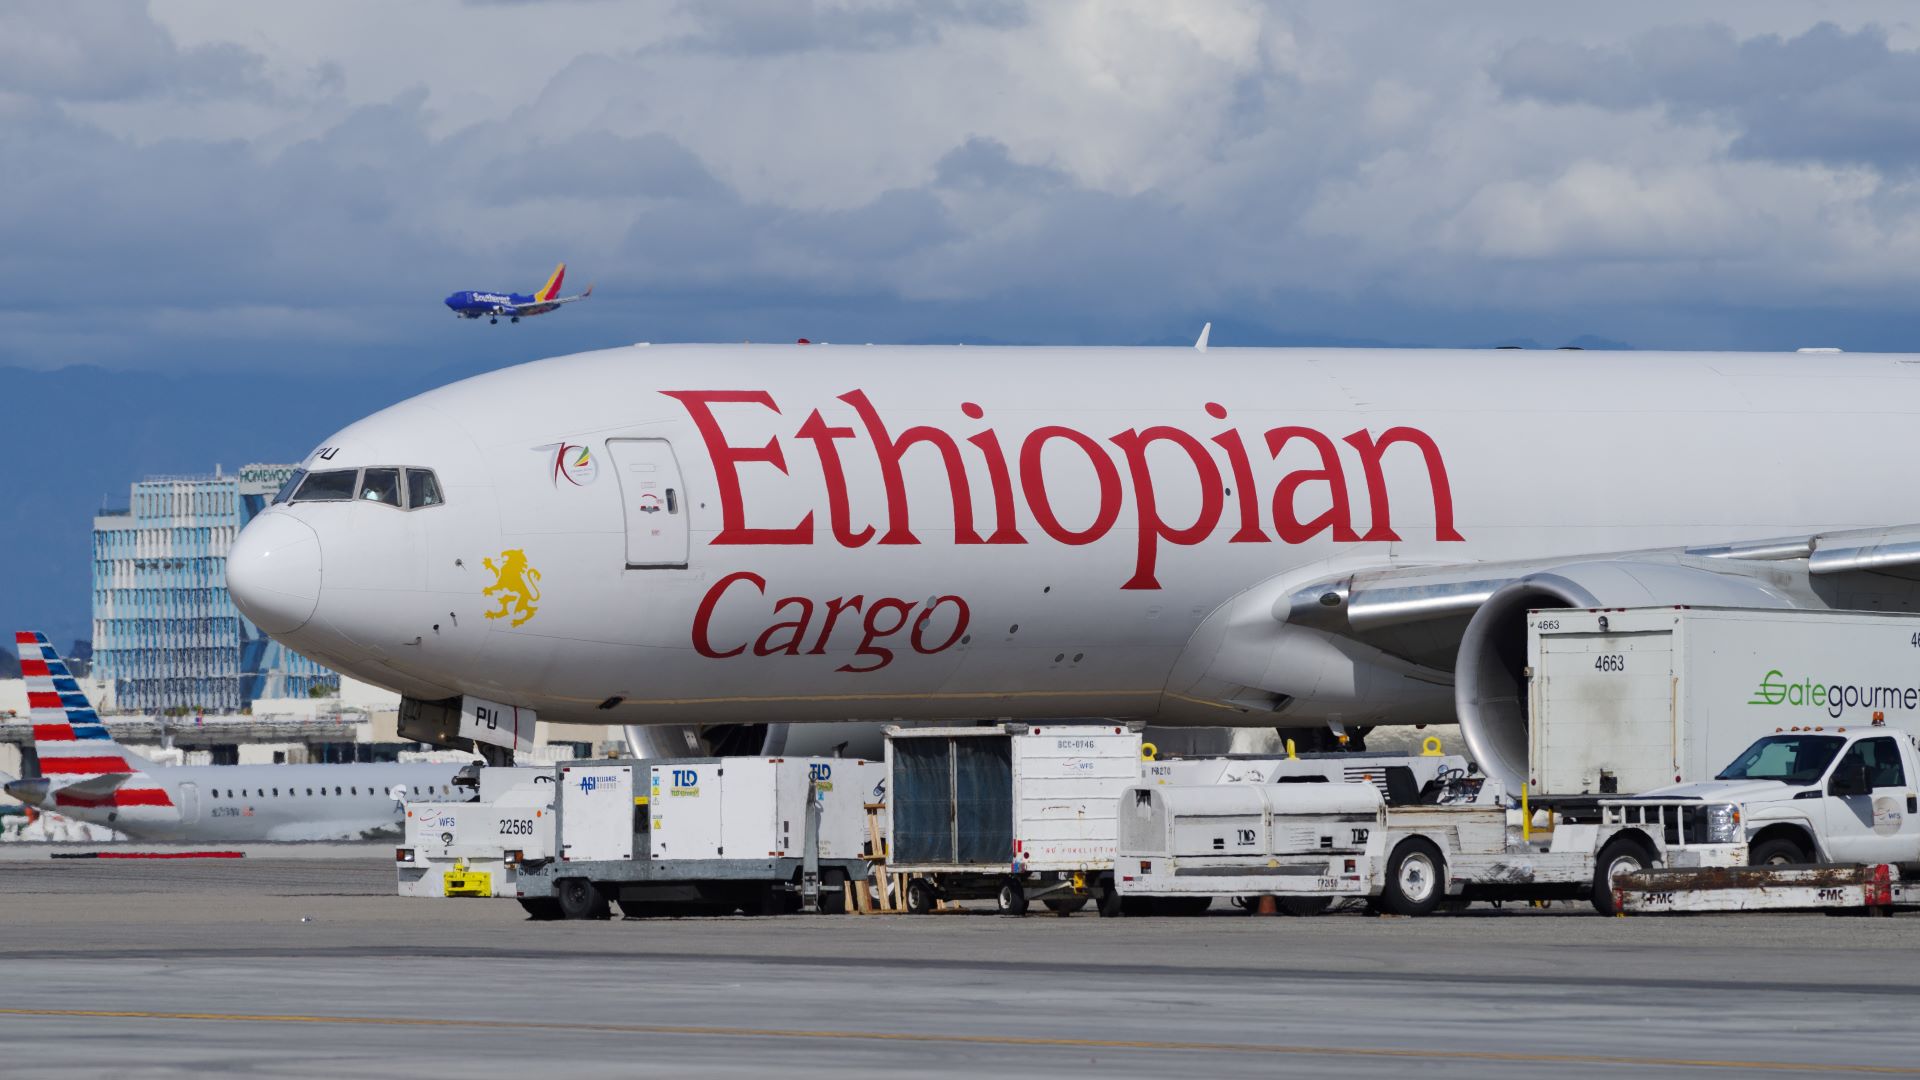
x=87 y=776
x=707 y=542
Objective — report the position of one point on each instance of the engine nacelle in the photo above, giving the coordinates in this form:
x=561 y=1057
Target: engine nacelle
x=1490 y=681
x=667 y=741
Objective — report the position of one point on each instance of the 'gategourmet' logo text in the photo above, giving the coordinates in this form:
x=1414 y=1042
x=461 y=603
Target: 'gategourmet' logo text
x=1774 y=689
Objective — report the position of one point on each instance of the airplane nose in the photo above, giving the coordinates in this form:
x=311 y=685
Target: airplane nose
x=273 y=572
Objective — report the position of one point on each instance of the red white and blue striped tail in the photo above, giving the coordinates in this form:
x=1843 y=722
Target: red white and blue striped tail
x=81 y=761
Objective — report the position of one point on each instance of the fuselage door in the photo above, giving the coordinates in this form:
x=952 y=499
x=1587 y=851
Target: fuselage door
x=656 y=503
x=189 y=802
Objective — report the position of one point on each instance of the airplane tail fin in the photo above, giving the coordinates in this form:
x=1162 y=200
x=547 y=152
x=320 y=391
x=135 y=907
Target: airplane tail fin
x=552 y=288
x=82 y=764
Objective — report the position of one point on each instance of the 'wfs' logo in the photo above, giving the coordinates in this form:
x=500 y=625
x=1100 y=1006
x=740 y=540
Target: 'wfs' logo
x=516 y=583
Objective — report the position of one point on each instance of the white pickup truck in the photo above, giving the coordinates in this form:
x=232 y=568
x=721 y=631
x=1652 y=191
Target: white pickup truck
x=1816 y=794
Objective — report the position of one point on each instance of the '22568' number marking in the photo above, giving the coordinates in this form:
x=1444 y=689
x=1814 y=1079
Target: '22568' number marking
x=516 y=827
x=1610 y=662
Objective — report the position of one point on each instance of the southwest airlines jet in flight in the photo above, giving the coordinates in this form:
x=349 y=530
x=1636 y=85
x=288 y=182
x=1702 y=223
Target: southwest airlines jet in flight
x=87 y=776
x=702 y=539
x=468 y=304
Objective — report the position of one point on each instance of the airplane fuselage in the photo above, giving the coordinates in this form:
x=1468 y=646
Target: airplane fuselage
x=713 y=534
x=241 y=803
x=471 y=304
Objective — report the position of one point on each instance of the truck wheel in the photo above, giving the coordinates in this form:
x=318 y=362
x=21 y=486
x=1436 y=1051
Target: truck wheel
x=1416 y=878
x=540 y=908
x=1621 y=855
x=1777 y=851
x=1110 y=901
x=1067 y=905
x=1013 y=898
x=578 y=899
x=833 y=894
x=920 y=896
x=1303 y=906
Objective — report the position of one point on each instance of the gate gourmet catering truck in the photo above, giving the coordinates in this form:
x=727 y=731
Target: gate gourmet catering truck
x=1629 y=700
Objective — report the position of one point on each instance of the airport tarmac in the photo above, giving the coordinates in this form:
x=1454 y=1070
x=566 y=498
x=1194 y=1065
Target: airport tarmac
x=310 y=966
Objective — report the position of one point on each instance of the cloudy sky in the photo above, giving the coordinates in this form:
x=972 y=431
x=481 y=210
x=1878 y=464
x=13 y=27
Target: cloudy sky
x=195 y=185
x=195 y=190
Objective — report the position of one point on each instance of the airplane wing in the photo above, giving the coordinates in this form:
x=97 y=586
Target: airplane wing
x=545 y=306
x=1464 y=625
x=1372 y=602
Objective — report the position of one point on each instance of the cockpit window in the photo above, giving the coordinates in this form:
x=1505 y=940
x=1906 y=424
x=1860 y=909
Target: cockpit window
x=287 y=489
x=423 y=489
x=381 y=486
x=335 y=485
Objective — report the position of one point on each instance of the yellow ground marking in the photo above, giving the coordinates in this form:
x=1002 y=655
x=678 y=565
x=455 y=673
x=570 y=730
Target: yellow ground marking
x=1493 y=1056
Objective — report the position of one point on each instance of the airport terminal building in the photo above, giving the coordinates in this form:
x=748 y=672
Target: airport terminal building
x=165 y=634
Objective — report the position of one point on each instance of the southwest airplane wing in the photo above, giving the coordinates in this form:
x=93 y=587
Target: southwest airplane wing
x=541 y=307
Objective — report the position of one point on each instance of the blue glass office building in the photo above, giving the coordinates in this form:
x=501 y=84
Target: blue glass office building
x=164 y=630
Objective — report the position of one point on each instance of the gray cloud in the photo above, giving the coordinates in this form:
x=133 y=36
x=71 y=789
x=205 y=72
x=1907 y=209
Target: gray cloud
x=113 y=51
x=598 y=165
x=796 y=26
x=1826 y=94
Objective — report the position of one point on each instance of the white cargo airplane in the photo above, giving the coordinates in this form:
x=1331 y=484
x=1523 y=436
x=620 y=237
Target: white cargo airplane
x=702 y=538
x=88 y=776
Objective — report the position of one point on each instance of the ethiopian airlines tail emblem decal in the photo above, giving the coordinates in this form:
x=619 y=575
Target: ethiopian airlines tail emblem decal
x=516 y=584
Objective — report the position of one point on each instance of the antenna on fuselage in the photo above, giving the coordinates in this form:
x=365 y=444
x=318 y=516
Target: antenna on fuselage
x=1201 y=345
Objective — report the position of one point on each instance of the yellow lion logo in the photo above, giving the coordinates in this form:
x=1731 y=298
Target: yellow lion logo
x=518 y=585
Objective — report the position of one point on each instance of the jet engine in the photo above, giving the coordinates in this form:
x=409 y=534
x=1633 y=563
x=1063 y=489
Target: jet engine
x=1490 y=672
x=666 y=741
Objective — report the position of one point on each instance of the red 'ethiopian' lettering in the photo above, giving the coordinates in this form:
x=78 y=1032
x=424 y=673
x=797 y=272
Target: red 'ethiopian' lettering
x=1153 y=528
x=1033 y=484
x=1254 y=507
x=727 y=460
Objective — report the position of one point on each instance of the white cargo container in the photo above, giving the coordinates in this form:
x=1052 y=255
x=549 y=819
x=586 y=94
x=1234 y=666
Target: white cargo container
x=716 y=808
x=1015 y=812
x=1629 y=700
x=702 y=835
x=597 y=803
